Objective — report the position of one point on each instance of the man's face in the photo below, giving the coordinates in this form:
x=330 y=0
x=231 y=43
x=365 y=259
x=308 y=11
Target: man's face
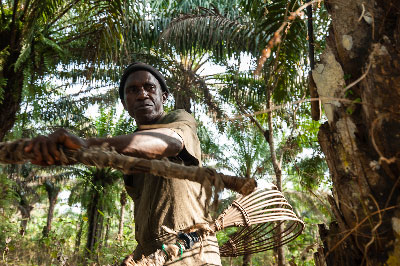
x=143 y=97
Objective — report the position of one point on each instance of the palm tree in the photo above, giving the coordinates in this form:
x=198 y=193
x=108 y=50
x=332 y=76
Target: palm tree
x=98 y=205
x=52 y=192
x=186 y=83
x=122 y=201
x=100 y=186
x=25 y=187
x=38 y=35
x=248 y=29
x=248 y=156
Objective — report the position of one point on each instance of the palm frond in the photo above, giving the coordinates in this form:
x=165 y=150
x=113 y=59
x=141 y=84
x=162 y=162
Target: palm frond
x=208 y=29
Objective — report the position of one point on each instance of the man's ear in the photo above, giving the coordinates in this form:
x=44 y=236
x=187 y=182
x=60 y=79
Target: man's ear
x=164 y=97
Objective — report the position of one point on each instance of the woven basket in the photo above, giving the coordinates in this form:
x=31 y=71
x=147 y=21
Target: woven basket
x=265 y=220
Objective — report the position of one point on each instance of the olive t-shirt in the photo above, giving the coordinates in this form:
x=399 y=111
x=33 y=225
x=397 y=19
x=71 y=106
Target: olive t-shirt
x=175 y=203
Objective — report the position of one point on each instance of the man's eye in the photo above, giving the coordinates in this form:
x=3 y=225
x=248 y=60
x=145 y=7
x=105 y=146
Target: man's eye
x=149 y=87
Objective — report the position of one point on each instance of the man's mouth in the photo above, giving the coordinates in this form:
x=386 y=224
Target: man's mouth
x=144 y=106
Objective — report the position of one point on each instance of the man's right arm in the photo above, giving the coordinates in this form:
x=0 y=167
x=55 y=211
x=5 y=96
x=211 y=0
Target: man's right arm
x=150 y=144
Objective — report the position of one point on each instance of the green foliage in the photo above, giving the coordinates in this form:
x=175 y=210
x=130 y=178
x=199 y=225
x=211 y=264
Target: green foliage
x=25 y=53
x=124 y=125
x=211 y=151
x=105 y=123
x=311 y=171
x=249 y=153
x=6 y=191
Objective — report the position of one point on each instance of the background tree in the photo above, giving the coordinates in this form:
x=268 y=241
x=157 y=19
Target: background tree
x=123 y=201
x=250 y=154
x=227 y=34
x=101 y=186
x=38 y=35
x=52 y=193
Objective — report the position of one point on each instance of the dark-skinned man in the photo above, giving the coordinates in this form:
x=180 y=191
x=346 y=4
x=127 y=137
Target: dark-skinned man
x=175 y=203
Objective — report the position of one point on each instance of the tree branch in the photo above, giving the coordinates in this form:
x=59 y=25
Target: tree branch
x=62 y=13
x=13 y=153
x=12 y=26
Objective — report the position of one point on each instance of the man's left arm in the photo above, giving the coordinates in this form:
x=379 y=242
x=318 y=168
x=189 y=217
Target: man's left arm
x=150 y=144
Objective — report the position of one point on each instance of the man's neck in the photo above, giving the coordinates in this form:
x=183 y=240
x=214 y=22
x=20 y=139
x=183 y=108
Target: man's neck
x=151 y=122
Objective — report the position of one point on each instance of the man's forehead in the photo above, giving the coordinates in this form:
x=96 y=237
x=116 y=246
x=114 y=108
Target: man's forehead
x=142 y=76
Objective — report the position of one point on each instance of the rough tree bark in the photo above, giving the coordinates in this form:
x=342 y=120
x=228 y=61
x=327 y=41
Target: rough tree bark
x=182 y=99
x=361 y=140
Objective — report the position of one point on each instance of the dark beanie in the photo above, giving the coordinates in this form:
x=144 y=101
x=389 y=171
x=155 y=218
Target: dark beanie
x=137 y=66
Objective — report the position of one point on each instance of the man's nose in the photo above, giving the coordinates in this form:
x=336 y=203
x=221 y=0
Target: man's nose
x=142 y=93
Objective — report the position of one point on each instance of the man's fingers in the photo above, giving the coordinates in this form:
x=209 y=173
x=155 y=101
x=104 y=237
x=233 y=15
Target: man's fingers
x=71 y=144
x=37 y=151
x=45 y=149
x=54 y=151
x=28 y=148
x=45 y=153
x=66 y=139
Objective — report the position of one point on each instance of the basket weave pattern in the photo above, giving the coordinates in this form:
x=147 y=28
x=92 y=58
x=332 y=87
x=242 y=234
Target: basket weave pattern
x=258 y=216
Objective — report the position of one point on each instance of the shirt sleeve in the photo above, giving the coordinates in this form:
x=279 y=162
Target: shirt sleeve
x=185 y=126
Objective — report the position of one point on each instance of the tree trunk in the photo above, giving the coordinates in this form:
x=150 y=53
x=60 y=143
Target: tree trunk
x=52 y=193
x=361 y=139
x=106 y=235
x=278 y=174
x=247 y=260
x=26 y=215
x=122 y=216
x=11 y=93
x=25 y=210
x=182 y=100
x=95 y=222
x=269 y=138
x=78 y=236
x=10 y=103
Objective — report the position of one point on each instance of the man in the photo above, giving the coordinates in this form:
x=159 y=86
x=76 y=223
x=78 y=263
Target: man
x=175 y=203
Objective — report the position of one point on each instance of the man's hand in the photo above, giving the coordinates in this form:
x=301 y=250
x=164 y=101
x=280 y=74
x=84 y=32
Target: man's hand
x=45 y=147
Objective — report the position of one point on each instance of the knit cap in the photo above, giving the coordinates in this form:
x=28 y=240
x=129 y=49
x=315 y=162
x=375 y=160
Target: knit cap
x=137 y=66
